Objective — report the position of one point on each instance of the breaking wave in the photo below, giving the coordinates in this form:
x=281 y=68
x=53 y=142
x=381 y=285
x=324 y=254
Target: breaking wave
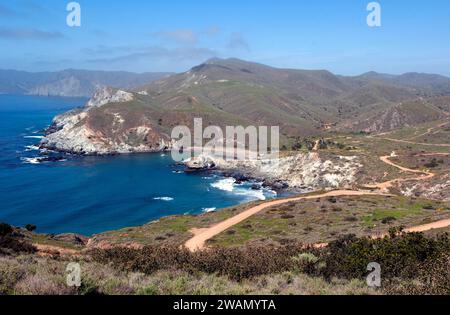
x=31 y=148
x=31 y=160
x=245 y=190
x=226 y=184
x=163 y=198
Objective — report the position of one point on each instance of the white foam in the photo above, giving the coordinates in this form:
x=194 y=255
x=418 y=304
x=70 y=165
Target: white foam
x=33 y=137
x=226 y=184
x=229 y=185
x=32 y=148
x=30 y=160
x=251 y=194
x=163 y=198
x=208 y=210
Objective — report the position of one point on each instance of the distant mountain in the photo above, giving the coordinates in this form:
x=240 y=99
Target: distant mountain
x=235 y=92
x=300 y=100
x=424 y=83
x=70 y=82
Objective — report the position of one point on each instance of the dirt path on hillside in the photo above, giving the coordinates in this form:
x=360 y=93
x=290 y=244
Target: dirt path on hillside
x=431 y=226
x=409 y=140
x=433 y=154
x=202 y=235
x=386 y=185
x=429 y=131
x=415 y=229
x=50 y=250
x=417 y=143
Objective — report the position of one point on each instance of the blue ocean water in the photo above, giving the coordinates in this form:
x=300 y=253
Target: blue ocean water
x=89 y=195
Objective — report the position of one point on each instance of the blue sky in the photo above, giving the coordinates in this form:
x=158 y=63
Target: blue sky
x=174 y=35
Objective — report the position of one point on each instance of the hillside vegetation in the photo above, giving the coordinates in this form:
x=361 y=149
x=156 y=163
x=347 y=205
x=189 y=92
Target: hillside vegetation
x=412 y=264
x=234 y=92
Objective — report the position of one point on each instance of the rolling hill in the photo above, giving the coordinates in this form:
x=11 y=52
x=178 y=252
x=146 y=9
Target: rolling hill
x=234 y=92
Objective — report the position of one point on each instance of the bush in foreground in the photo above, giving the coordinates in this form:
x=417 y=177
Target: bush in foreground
x=236 y=263
x=401 y=256
x=411 y=264
x=12 y=244
x=405 y=257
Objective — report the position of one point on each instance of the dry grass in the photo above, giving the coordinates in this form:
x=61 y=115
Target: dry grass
x=324 y=220
x=26 y=275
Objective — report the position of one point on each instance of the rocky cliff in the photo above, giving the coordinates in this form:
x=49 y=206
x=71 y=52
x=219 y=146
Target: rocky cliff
x=304 y=170
x=92 y=131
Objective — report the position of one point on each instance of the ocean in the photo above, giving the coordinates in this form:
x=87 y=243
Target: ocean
x=90 y=195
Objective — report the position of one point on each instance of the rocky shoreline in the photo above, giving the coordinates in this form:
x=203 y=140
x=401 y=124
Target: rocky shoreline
x=303 y=171
x=104 y=126
x=93 y=130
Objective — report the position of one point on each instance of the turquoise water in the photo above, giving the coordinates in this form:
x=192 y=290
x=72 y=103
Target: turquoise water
x=89 y=195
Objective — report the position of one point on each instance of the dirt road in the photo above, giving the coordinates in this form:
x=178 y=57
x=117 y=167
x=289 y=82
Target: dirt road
x=202 y=235
x=386 y=185
x=411 y=142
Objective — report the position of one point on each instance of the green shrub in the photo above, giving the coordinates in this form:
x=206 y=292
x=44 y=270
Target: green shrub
x=236 y=263
x=5 y=229
x=432 y=278
x=11 y=272
x=388 y=220
x=432 y=164
x=10 y=244
x=30 y=227
x=308 y=263
x=332 y=199
x=401 y=256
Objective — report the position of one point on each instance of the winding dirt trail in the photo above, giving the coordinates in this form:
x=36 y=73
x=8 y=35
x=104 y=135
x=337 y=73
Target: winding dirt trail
x=202 y=235
x=49 y=250
x=386 y=185
x=429 y=131
x=411 y=142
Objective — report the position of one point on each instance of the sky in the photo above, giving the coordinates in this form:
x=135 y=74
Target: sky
x=175 y=35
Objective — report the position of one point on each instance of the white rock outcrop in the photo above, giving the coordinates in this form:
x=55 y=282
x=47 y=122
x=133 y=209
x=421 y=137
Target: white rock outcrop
x=108 y=95
x=301 y=170
x=73 y=131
